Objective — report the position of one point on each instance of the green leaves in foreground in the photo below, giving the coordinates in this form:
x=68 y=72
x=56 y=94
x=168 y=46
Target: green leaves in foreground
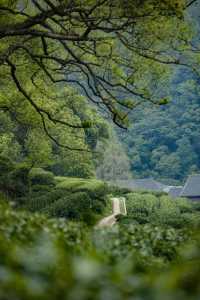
x=44 y=259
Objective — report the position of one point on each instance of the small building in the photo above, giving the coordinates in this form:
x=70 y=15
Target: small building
x=175 y=191
x=191 y=189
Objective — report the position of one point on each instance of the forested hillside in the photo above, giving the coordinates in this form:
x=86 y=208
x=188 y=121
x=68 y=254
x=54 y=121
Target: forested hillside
x=163 y=142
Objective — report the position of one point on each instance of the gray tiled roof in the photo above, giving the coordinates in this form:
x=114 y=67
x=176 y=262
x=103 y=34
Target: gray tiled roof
x=141 y=184
x=192 y=186
x=175 y=191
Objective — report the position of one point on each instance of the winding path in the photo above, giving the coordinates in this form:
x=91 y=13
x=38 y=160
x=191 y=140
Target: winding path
x=118 y=208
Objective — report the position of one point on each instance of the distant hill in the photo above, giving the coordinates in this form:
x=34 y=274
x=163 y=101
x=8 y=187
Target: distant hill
x=163 y=142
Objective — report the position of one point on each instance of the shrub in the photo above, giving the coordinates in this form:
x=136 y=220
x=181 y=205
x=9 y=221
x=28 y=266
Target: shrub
x=75 y=184
x=96 y=191
x=19 y=179
x=159 y=209
x=77 y=206
x=140 y=206
x=6 y=165
x=44 y=258
x=72 y=201
x=196 y=205
x=37 y=202
x=43 y=196
x=152 y=242
x=14 y=178
x=39 y=176
x=23 y=226
x=71 y=198
x=40 y=188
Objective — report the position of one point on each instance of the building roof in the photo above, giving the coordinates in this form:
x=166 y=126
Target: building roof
x=191 y=187
x=141 y=184
x=175 y=191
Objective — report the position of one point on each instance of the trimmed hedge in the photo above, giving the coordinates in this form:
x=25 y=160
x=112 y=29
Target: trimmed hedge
x=78 y=206
x=159 y=209
x=71 y=198
x=39 y=176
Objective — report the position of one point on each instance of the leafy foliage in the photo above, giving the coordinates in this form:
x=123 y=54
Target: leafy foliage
x=41 y=177
x=23 y=139
x=71 y=198
x=152 y=242
x=39 y=190
x=161 y=210
x=101 y=50
x=163 y=142
x=45 y=258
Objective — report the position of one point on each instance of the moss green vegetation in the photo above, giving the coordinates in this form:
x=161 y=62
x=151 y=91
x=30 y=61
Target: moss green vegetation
x=160 y=209
x=44 y=258
x=72 y=198
x=39 y=190
x=163 y=142
x=79 y=183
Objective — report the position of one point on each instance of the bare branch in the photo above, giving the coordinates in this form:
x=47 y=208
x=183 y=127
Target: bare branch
x=191 y=3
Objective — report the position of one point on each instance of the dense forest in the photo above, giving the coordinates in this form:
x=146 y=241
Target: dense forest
x=163 y=142
x=92 y=91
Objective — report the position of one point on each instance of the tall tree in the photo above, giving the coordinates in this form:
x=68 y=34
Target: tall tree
x=98 y=47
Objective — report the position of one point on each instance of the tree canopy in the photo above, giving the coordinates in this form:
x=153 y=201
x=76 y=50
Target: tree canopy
x=163 y=142
x=98 y=48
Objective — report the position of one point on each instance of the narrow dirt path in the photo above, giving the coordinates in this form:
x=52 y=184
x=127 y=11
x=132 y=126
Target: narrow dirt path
x=116 y=209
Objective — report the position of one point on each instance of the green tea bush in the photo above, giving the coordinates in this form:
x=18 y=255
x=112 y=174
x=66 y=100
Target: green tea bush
x=42 y=197
x=159 y=209
x=196 y=205
x=141 y=206
x=13 y=177
x=39 y=176
x=19 y=180
x=41 y=188
x=23 y=226
x=73 y=207
x=152 y=242
x=43 y=258
x=95 y=188
x=71 y=198
x=37 y=202
x=77 y=206
x=6 y=165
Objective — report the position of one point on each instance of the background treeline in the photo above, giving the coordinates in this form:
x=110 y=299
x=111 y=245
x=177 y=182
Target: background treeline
x=163 y=141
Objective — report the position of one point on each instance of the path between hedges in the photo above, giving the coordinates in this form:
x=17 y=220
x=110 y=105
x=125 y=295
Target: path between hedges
x=118 y=208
